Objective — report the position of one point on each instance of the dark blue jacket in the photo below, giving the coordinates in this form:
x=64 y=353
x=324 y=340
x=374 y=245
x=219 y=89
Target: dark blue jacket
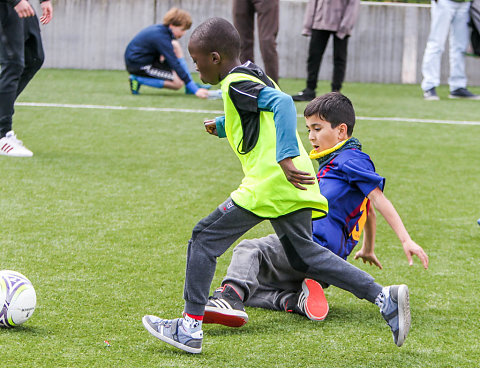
x=151 y=43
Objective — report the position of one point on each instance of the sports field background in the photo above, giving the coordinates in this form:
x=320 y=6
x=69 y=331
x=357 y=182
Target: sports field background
x=100 y=217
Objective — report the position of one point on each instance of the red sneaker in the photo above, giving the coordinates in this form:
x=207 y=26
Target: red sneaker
x=310 y=301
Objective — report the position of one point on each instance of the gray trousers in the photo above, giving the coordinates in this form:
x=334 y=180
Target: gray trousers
x=214 y=234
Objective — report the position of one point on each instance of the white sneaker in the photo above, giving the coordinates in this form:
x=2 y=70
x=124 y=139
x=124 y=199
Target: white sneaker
x=11 y=146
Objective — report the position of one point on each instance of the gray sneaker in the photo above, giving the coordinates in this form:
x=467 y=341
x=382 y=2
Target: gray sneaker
x=395 y=308
x=430 y=95
x=173 y=332
x=463 y=93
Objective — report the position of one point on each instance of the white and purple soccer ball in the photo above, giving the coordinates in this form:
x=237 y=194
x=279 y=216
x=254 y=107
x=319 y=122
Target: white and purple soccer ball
x=17 y=299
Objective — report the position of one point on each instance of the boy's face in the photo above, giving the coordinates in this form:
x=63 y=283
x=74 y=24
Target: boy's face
x=207 y=64
x=177 y=31
x=321 y=134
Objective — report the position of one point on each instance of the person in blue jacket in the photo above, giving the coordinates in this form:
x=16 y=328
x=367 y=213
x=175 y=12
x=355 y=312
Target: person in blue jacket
x=155 y=58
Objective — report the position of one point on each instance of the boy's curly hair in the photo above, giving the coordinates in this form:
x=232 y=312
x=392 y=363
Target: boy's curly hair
x=217 y=34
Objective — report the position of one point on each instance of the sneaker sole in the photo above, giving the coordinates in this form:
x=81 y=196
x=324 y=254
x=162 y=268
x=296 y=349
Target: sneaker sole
x=172 y=342
x=316 y=305
x=226 y=317
x=16 y=154
x=404 y=317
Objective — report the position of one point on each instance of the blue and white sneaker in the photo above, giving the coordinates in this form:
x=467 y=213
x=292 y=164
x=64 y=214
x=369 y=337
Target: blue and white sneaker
x=174 y=332
x=395 y=308
x=430 y=95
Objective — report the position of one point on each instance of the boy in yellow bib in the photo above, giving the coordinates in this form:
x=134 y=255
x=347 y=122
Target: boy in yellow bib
x=279 y=185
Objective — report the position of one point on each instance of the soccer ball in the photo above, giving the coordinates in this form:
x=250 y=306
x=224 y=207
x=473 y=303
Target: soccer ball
x=17 y=298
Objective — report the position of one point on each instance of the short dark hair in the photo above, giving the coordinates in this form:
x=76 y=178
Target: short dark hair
x=217 y=35
x=334 y=108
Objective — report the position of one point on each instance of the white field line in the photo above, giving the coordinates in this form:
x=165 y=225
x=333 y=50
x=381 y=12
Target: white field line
x=199 y=111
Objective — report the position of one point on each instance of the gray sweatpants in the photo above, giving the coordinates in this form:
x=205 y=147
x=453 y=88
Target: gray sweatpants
x=214 y=234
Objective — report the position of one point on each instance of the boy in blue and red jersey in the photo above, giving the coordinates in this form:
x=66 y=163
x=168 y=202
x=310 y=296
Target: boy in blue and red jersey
x=260 y=275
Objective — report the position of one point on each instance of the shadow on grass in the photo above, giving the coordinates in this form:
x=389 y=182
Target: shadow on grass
x=25 y=330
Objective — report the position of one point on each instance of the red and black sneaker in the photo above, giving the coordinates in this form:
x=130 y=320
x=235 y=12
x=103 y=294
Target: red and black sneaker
x=226 y=308
x=309 y=302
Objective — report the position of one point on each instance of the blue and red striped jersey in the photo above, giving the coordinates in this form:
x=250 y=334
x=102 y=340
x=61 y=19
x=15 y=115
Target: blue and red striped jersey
x=345 y=181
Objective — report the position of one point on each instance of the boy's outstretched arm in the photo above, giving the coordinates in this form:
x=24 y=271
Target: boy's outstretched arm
x=367 y=253
x=385 y=207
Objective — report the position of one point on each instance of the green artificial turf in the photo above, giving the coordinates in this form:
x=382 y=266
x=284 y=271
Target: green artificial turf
x=100 y=217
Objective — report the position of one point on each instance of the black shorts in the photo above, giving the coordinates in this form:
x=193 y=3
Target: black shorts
x=158 y=70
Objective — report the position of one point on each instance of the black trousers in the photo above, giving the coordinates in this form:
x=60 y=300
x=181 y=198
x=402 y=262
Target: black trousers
x=21 y=56
x=318 y=43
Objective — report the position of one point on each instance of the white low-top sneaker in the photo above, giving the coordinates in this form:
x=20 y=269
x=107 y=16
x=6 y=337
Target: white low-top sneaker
x=11 y=146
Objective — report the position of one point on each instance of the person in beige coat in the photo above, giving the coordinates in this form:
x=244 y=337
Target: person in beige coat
x=325 y=18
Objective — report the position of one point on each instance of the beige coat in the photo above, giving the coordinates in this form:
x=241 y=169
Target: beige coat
x=331 y=15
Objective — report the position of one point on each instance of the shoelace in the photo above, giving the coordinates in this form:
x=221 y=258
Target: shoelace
x=380 y=300
x=14 y=138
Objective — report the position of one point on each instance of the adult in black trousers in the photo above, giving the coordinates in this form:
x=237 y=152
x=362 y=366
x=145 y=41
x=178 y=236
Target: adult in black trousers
x=21 y=56
x=324 y=19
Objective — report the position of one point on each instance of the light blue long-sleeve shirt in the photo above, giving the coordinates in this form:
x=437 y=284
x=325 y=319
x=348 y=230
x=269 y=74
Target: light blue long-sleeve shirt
x=285 y=117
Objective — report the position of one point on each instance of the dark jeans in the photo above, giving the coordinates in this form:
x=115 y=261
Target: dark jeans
x=214 y=234
x=267 y=22
x=21 y=56
x=318 y=43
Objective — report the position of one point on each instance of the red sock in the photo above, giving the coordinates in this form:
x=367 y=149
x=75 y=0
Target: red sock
x=198 y=318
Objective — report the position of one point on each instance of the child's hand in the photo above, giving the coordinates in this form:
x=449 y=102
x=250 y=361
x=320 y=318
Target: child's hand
x=294 y=176
x=211 y=126
x=410 y=248
x=202 y=93
x=368 y=257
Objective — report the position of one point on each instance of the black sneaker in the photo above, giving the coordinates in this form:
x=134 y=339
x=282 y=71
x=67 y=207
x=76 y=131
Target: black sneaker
x=463 y=93
x=226 y=308
x=306 y=95
x=431 y=95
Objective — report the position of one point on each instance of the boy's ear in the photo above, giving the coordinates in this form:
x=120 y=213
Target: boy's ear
x=343 y=131
x=215 y=57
